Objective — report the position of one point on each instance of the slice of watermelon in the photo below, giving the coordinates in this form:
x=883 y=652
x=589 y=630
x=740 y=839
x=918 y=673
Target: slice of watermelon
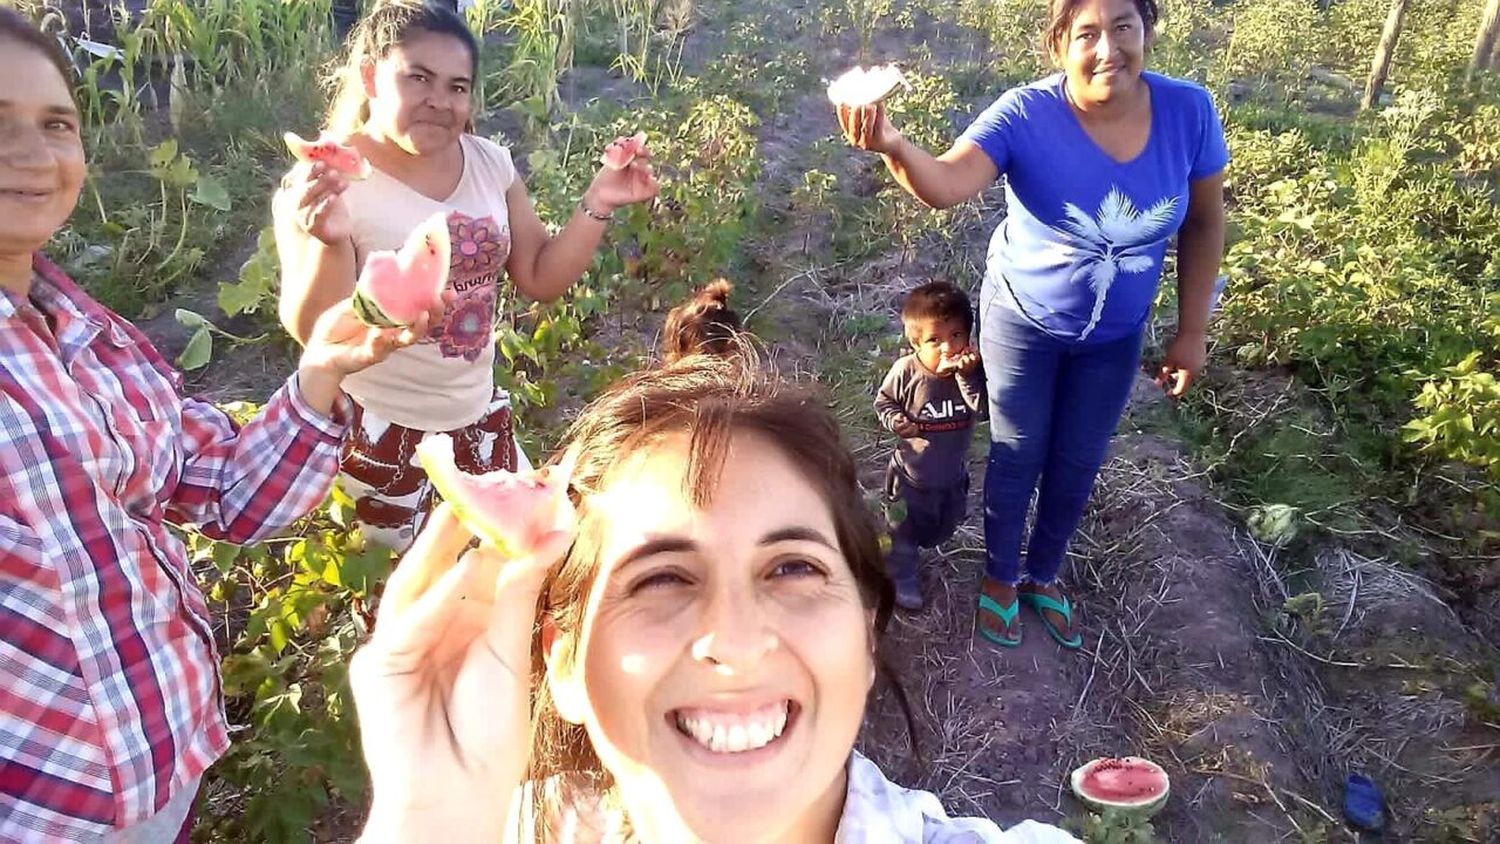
x=623 y=150
x=861 y=86
x=1128 y=785
x=396 y=287
x=331 y=151
x=509 y=510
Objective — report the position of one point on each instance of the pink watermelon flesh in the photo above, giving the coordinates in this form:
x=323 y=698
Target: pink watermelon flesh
x=621 y=151
x=396 y=288
x=1123 y=781
x=331 y=151
x=514 y=511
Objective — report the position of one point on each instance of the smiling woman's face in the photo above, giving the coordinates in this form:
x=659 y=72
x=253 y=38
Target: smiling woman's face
x=1104 y=49
x=419 y=94
x=41 y=151
x=726 y=654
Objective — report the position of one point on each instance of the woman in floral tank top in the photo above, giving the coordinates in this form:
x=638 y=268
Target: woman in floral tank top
x=405 y=102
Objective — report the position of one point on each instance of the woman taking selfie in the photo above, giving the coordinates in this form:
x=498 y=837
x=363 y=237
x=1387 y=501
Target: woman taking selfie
x=691 y=664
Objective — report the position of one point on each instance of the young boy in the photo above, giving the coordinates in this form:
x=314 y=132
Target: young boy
x=930 y=400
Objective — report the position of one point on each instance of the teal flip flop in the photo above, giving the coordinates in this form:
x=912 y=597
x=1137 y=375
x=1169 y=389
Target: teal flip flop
x=1007 y=616
x=1040 y=603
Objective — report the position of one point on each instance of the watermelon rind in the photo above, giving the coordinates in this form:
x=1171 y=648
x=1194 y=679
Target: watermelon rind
x=860 y=86
x=435 y=454
x=1135 y=809
x=370 y=313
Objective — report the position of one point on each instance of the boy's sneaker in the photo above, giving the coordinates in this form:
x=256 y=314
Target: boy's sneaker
x=909 y=594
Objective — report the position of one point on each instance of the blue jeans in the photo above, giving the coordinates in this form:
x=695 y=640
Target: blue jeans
x=1053 y=407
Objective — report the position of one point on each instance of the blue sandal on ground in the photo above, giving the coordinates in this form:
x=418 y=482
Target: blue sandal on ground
x=1364 y=805
x=1007 y=616
x=1041 y=603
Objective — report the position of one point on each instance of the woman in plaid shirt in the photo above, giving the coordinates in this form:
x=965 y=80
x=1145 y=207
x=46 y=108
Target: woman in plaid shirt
x=110 y=705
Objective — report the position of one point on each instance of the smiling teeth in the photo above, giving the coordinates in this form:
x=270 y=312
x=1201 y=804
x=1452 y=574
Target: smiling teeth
x=735 y=733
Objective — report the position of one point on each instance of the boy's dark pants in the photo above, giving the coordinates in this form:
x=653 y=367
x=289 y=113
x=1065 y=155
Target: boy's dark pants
x=932 y=515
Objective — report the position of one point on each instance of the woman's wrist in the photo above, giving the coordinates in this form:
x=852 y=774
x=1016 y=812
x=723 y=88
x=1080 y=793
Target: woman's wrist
x=896 y=149
x=320 y=387
x=594 y=208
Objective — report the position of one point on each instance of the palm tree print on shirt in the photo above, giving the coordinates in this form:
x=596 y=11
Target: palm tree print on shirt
x=1115 y=241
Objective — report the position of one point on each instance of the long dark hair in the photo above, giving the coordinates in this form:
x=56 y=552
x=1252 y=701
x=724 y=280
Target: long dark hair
x=1060 y=14
x=15 y=27
x=709 y=398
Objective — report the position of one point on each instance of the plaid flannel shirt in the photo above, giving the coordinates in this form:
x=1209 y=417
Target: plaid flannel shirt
x=109 y=686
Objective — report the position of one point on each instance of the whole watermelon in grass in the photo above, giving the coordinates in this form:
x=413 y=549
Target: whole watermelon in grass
x=395 y=288
x=512 y=511
x=1129 y=786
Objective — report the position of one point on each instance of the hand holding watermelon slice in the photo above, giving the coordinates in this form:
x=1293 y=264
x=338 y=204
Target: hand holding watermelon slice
x=397 y=288
x=311 y=198
x=342 y=344
x=624 y=176
x=857 y=96
x=443 y=688
x=512 y=511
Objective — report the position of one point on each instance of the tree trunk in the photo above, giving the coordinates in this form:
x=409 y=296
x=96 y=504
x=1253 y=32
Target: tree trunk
x=1383 y=53
x=1487 y=43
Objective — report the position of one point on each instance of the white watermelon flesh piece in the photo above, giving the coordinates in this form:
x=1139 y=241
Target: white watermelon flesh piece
x=1128 y=785
x=330 y=151
x=396 y=287
x=861 y=86
x=512 y=511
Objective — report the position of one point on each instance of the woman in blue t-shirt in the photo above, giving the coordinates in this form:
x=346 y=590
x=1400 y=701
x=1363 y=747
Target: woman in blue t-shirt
x=1104 y=162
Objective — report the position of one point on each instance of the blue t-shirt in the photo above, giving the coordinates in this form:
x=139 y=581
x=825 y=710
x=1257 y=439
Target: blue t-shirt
x=1080 y=250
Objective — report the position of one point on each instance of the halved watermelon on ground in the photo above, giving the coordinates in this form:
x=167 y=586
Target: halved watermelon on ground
x=861 y=86
x=396 y=287
x=331 y=151
x=512 y=511
x=1128 y=785
x=623 y=150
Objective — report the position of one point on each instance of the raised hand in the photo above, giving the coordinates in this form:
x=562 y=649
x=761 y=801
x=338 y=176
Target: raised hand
x=612 y=189
x=341 y=344
x=443 y=687
x=311 y=195
x=962 y=363
x=867 y=127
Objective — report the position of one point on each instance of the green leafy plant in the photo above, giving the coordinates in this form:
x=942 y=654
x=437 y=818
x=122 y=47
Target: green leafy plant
x=301 y=605
x=1113 y=827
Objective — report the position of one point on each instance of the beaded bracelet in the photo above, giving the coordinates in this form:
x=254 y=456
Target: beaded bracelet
x=592 y=214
